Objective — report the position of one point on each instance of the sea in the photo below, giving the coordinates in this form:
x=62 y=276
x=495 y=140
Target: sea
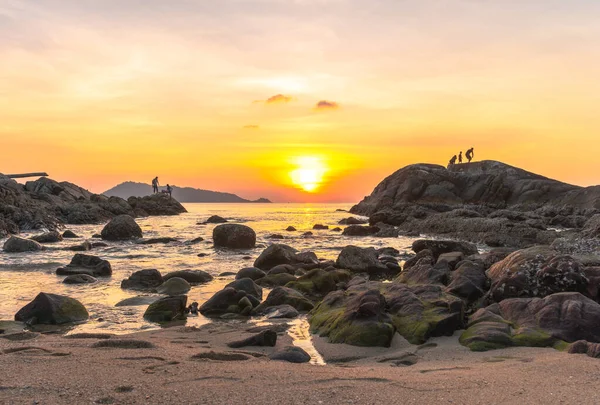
x=24 y=275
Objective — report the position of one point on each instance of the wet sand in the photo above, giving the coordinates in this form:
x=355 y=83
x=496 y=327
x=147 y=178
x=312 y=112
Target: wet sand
x=53 y=369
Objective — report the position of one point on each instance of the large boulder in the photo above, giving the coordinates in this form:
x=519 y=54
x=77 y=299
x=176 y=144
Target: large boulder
x=86 y=264
x=274 y=255
x=174 y=286
x=285 y=296
x=156 y=204
x=52 y=309
x=193 y=277
x=360 y=230
x=538 y=322
x=234 y=236
x=121 y=227
x=365 y=260
x=143 y=280
x=468 y=281
x=275 y=280
x=352 y=221
x=253 y=273
x=167 y=309
x=229 y=301
x=292 y=354
x=14 y=244
x=48 y=237
x=247 y=285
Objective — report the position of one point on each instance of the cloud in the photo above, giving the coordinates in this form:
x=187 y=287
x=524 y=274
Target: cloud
x=251 y=127
x=324 y=105
x=276 y=99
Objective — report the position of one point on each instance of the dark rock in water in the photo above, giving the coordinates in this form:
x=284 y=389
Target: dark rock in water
x=361 y=260
x=283 y=295
x=426 y=274
x=228 y=301
x=438 y=247
x=136 y=301
x=193 y=277
x=355 y=317
x=82 y=247
x=536 y=322
x=195 y=240
x=234 y=236
x=48 y=237
x=265 y=338
x=275 y=236
x=317 y=283
x=290 y=229
x=468 y=281
x=291 y=354
x=247 y=285
x=174 y=286
x=167 y=309
x=86 y=264
x=96 y=236
x=156 y=204
x=306 y=234
x=52 y=309
x=352 y=221
x=358 y=230
x=121 y=227
x=535 y=272
x=585 y=347
x=96 y=245
x=227 y=274
x=79 y=279
x=336 y=229
x=14 y=244
x=274 y=255
x=281 y=312
x=143 y=280
x=253 y=273
x=320 y=227
x=68 y=234
x=154 y=241
x=215 y=219
x=275 y=280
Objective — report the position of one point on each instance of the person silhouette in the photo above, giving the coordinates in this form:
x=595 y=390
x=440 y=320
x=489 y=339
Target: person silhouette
x=155 y=185
x=169 y=190
x=452 y=161
x=460 y=157
x=470 y=154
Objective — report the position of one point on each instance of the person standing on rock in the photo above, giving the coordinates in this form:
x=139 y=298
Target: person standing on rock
x=155 y=185
x=470 y=154
x=170 y=190
x=460 y=157
x=452 y=161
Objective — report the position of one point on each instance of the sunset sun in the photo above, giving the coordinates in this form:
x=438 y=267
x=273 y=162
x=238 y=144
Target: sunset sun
x=309 y=172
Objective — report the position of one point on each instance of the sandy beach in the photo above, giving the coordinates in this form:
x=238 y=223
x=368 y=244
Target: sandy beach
x=54 y=369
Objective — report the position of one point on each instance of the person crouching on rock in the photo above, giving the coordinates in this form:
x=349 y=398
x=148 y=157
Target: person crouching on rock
x=169 y=190
x=155 y=185
x=452 y=161
x=470 y=154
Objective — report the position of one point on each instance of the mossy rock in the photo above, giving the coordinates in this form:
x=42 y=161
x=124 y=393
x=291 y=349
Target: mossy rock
x=318 y=282
x=52 y=309
x=166 y=309
x=275 y=280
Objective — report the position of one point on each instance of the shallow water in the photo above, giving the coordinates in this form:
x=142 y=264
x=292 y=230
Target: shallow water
x=24 y=275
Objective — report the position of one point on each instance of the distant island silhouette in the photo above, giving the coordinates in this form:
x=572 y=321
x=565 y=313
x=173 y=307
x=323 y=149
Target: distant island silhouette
x=181 y=194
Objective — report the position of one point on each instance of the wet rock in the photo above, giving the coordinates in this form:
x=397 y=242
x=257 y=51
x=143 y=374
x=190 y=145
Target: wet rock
x=68 y=234
x=48 y=237
x=487 y=259
x=82 y=247
x=274 y=255
x=266 y=338
x=234 y=236
x=365 y=260
x=215 y=219
x=14 y=244
x=426 y=274
x=166 y=309
x=336 y=229
x=174 y=286
x=275 y=280
x=275 y=236
x=320 y=227
x=281 y=312
x=468 y=281
x=143 y=280
x=438 y=247
x=452 y=258
x=194 y=277
x=291 y=354
x=352 y=221
x=307 y=234
x=247 y=285
x=282 y=268
x=195 y=241
x=79 y=279
x=121 y=227
x=285 y=296
x=52 y=309
x=86 y=264
x=358 y=230
x=253 y=273
x=228 y=301
x=154 y=241
x=136 y=301
x=317 y=283
x=423 y=257
x=290 y=229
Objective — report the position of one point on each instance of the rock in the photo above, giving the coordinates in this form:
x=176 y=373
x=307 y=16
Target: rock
x=86 y=264
x=468 y=281
x=291 y=354
x=215 y=219
x=281 y=312
x=14 y=244
x=68 y=234
x=320 y=227
x=247 y=285
x=227 y=301
x=452 y=258
x=253 y=273
x=426 y=274
x=82 y=247
x=143 y=280
x=317 y=283
x=585 y=347
x=358 y=230
x=156 y=204
x=52 y=309
x=290 y=229
x=166 y=309
x=355 y=317
x=307 y=234
x=137 y=301
x=537 y=322
x=234 y=236
x=79 y=279
x=591 y=229
x=154 y=241
x=360 y=260
x=285 y=296
x=274 y=280
x=336 y=229
x=266 y=338
x=274 y=255
x=535 y=272
x=124 y=344
x=282 y=268
x=194 y=277
x=195 y=241
x=275 y=236
x=174 y=286
x=438 y=247
x=121 y=227
x=48 y=237
x=423 y=257
x=352 y=221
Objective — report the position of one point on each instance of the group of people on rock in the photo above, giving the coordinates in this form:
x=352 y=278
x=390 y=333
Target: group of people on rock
x=469 y=155
x=156 y=185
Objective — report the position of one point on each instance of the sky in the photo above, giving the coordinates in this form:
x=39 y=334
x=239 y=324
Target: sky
x=295 y=100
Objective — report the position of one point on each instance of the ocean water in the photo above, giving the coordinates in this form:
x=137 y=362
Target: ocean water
x=24 y=275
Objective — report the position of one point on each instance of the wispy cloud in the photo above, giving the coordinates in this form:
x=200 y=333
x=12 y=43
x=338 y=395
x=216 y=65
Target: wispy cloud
x=253 y=127
x=276 y=99
x=325 y=105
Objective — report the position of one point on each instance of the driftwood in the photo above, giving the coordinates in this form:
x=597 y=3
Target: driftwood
x=21 y=176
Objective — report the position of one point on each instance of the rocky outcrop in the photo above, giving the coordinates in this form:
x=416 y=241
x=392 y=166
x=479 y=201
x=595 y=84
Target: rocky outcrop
x=122 y=227
x=234 y=236
x=156 y=204
x=86 y=264
x=52 y=309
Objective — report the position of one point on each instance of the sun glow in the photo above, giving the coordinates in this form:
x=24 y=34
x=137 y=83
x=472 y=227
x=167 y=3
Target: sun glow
x=309 y=173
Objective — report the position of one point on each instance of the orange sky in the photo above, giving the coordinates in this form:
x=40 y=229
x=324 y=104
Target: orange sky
x=232 y=95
